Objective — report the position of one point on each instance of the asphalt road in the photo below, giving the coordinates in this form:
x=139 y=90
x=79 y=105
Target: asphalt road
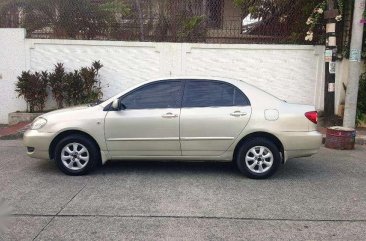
x=321 y=197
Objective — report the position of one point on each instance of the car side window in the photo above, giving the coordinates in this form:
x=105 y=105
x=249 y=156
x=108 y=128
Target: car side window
x=162 y=94
x=202 y=93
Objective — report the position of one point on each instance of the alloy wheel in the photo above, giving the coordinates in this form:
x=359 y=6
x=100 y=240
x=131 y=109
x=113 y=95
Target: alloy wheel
x=259 y=159
x=75 y=156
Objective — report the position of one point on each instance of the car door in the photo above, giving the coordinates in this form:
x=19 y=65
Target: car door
x=213 y=114
x=148 y=125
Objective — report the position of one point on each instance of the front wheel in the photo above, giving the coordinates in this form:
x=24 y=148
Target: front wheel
x=258 y=158
x=76 y=155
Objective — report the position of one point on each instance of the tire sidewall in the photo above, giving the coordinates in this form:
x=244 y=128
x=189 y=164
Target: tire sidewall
x=89 y=145
x=240 y=160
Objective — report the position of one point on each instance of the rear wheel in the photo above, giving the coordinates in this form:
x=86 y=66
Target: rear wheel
x=76 y=155
x=258 y=158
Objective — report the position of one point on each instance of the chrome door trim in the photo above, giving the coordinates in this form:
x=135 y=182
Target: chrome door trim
x=145 y=139
x=206 y=138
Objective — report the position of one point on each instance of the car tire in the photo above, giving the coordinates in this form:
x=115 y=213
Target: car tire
x=76 y=155
x=258 y=158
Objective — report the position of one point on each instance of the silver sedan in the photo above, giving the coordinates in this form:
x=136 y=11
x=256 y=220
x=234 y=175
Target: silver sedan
x=186 y=119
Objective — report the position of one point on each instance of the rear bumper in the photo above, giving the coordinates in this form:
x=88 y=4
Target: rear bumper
x=37 y=143
x=300 y=144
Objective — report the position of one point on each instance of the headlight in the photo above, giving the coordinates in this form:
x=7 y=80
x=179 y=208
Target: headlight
x=38 y=123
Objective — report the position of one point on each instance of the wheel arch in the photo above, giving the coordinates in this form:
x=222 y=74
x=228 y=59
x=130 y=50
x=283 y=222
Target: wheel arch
x=262 y=134
x=60 y=136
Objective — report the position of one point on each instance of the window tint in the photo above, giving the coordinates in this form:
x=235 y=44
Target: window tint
x=212 y=93
x=164 y=94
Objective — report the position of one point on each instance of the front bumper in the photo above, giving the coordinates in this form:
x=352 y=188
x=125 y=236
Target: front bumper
x=300 y=144
x=38 y=143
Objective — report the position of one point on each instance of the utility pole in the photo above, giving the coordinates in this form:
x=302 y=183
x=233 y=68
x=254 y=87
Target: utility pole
x=349 y=119
x=330 y=58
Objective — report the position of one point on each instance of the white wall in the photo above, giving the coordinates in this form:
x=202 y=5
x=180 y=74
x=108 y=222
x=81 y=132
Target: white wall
x=12 y=62
x=291 y=72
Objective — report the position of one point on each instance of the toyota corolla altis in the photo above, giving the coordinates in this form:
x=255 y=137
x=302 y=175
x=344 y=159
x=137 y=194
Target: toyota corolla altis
x=187 y=119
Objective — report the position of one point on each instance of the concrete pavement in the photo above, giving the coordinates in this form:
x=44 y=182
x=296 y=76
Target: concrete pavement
x=321 y=197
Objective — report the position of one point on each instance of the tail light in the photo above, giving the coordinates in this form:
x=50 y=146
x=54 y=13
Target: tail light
x=312 y=116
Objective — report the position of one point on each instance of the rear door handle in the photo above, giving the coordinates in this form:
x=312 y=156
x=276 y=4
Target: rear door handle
x=169 y=115
x=238 y=113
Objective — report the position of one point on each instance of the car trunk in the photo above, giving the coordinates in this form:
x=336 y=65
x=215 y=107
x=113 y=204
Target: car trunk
x=295 y=118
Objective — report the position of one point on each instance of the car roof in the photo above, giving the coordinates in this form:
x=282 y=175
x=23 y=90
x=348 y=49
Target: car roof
x=197 y=78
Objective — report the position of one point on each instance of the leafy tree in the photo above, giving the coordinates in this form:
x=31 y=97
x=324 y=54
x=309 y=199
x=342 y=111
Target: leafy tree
x=183 y=21
x=192 y=30
x=119 y=7
x=64 y=18
x=283 y=18
x=116 y=11
x=9 y=16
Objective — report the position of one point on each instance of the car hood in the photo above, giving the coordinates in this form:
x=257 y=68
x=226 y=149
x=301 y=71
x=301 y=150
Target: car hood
x=65 y=111
x=83 y=118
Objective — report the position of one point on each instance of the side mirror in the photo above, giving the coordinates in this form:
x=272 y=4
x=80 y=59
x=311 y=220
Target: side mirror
x=116 y=104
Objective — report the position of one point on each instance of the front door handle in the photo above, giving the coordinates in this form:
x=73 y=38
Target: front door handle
x=169 y=115
x=238 y=113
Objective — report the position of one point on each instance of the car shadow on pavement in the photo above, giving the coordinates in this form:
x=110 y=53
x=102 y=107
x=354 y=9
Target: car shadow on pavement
x=168 y=167
x=303 y=168
x=46 y=166
x=298 y=168
x=294 y=169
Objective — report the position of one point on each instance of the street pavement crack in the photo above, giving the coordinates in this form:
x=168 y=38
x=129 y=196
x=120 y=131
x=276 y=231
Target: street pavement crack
x=188 y=217
x=57 y=214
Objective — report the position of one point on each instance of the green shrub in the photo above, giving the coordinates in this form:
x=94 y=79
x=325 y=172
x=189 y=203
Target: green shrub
x=92 y=84
x=57 y=82
x=33 y=88
x=71 y=88
x=83 y=86
x=74 y=88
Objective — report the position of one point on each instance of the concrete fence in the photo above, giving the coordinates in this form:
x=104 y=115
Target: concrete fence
x=291 y=72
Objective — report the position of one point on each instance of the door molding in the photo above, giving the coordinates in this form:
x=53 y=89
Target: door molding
x=145 y=139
